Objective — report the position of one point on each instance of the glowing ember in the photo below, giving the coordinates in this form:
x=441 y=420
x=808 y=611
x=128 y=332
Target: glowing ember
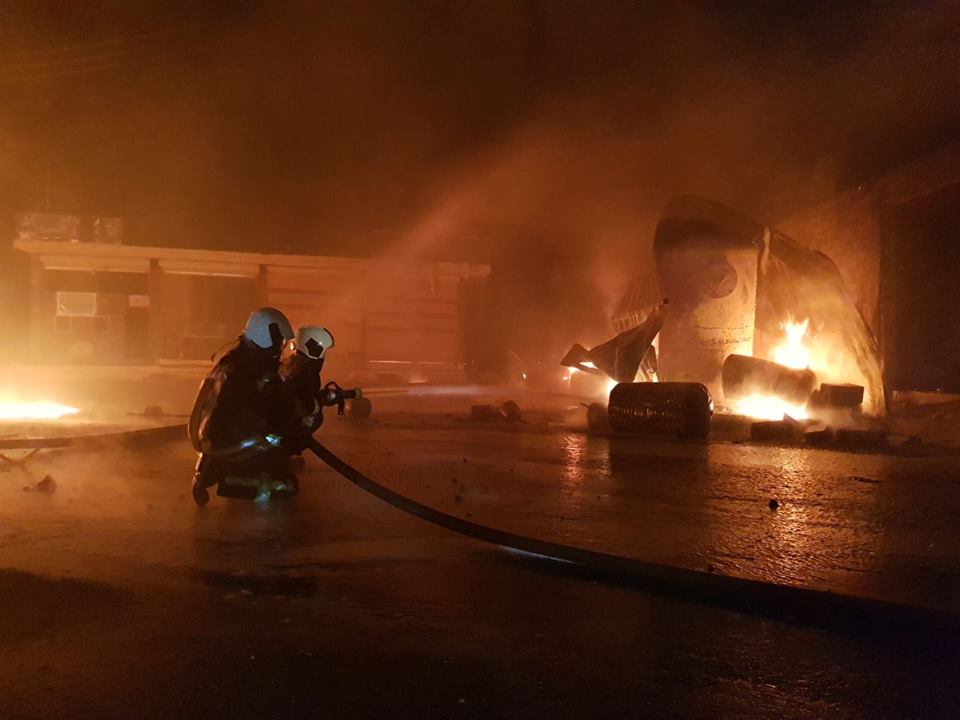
x=792 y=352
x=768 y=407
x=34 y=411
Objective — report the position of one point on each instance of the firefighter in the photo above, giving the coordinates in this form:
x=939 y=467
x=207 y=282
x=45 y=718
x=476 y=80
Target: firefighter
x=301 y=376
x=242 y=411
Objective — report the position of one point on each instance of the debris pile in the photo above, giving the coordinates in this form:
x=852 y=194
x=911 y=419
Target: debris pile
x=509 y=412
x=761 y=324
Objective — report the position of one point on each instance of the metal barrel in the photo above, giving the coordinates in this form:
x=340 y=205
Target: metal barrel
x=744 y=375
x=672 y=409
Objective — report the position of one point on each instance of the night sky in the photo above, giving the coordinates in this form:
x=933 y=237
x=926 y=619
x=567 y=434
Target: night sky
x=342 y=127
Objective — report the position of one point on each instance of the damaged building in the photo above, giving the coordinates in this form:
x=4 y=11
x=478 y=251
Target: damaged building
x=894 y=239
x=845 y=286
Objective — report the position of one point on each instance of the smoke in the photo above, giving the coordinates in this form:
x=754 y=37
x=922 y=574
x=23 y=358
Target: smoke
x=541 y=136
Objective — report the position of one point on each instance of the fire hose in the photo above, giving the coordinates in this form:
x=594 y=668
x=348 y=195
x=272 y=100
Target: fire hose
x=740 y=594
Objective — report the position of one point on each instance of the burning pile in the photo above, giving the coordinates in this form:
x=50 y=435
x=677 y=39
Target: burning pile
x=758 y=320
x=770 y=389
x=786 y=385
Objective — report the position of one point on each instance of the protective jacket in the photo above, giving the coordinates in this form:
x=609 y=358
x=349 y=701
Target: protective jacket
x=240 y=402
x=301 y=376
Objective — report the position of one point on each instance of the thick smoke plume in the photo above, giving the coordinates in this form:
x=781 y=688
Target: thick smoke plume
x=542 y=136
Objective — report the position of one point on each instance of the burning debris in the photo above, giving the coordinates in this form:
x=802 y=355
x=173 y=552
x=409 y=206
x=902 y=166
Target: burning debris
x=762 y=324
x=764 y=389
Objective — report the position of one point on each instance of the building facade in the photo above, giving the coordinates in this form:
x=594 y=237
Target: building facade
x=103 y=303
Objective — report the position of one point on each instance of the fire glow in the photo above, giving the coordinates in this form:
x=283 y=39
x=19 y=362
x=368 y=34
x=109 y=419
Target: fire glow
x=34 y=410
x=768 y=407
x=792 y=353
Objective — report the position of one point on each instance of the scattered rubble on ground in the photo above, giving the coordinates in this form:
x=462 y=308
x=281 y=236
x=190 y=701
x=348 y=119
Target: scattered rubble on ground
x=511 y=411
x=819 y=435
x=485 y=413
x=46 y=485
x=787 y=430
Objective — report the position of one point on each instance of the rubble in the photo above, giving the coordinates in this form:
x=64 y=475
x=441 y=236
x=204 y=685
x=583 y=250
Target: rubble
x=837 y=404
x=832 y=395
x=485 y=413
x=819 y=435
x=625 y=356
x=508 y=411
x=787 y=430
x=511 y=411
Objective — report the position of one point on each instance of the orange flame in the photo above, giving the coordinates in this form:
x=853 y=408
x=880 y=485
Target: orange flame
x=34 y=410
x=792 y=353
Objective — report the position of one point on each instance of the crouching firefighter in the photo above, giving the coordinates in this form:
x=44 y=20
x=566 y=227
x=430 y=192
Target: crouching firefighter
x=301 y=374
x=242 y=413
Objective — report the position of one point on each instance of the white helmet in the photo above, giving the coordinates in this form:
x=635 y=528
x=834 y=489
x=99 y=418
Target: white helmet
x=268 y=328
x=314 y=341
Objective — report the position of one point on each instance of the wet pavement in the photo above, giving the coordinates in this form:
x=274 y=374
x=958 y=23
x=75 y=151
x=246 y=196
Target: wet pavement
x=118 y=597
x=880 y=526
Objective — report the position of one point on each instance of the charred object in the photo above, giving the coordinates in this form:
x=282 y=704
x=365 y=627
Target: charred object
x=509 y=411
x=626 y=356
x=485 y=413
x=819 y=436
x=832 y=397
x=743 y=375
x=598 y=419
x=787 y=431
x=666 y=409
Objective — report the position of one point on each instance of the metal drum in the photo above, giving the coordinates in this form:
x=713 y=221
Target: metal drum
x=669 y=409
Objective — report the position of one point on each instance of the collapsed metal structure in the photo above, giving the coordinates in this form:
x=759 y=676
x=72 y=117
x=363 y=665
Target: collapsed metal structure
x=731 y=283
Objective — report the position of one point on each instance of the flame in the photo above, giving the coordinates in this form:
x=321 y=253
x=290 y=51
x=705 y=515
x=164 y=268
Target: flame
x=768 y=407
x=792 y=352
x=34 y=410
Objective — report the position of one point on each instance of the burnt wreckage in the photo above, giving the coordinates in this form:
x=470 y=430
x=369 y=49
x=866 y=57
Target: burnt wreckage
x=756 y=318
